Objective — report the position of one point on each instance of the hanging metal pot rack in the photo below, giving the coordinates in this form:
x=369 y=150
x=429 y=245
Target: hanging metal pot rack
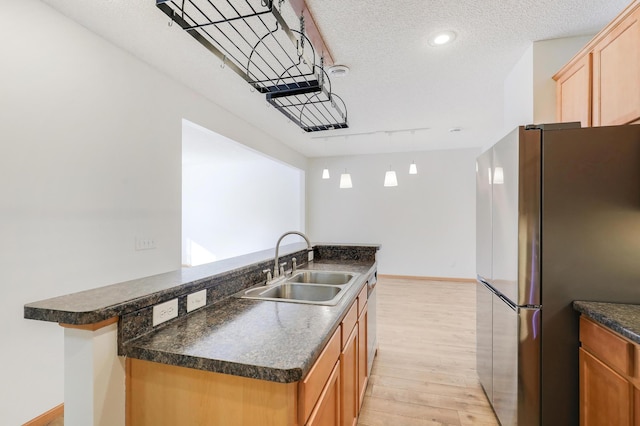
x=252 y=38
x=313 y=110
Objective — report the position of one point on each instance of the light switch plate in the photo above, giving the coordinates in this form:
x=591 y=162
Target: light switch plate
x=165 y=311
x=196 y=300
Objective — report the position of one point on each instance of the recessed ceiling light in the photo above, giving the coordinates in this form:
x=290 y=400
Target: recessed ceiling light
x=442 y=38
x=338 y=71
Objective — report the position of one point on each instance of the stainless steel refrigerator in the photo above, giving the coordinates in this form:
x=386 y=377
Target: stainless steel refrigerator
x=558 y=220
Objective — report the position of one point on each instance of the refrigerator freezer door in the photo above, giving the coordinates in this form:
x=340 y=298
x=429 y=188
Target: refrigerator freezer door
x=505 y=362
x=484 y=337
x=516 y=217
x=516 y=364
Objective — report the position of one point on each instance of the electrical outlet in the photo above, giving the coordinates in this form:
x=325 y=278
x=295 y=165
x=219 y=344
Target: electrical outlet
x=165 y=311
x=145 y=243
x=309 y=255
x=196 y=300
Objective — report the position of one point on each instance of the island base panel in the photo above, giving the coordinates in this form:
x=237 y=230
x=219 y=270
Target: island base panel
x=160 y=394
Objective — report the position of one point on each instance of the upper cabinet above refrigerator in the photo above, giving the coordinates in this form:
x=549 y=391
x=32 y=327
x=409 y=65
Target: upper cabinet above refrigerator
x=600 y=85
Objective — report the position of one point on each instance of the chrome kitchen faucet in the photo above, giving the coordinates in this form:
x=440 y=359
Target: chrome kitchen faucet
x=276 y=271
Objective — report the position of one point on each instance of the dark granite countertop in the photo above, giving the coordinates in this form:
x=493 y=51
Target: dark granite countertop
x=275 y=341
x=95 y=305
x=619 y=317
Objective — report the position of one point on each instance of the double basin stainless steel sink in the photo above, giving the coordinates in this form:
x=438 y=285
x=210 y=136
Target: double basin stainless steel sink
x=313 y=287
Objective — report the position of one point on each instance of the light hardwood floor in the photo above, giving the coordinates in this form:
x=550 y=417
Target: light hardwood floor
x=424 y=373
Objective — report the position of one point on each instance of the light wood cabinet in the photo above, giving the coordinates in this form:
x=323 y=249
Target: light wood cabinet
x=573 y=96
x=616 y=74
x=363 y=376
x=600 y=85
x=609 y=379
x=605 y=396
x=318 y=382
x=327 y=410
x=349 y=368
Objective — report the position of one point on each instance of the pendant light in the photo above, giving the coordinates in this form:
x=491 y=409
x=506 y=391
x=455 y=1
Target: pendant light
x=325 y=174
x=390 y=178
x=413 y=169
x=345 y=180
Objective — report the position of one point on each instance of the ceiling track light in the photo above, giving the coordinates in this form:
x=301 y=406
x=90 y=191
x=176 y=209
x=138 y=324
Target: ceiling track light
x=411 y=131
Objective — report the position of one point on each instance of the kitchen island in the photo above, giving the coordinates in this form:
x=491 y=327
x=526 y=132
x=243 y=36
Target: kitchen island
x=268 y=343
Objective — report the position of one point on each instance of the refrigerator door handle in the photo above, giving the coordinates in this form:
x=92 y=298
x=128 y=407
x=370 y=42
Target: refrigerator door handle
x=488 y=286
x=491 y=289
x=508 y=302
x=481 y=279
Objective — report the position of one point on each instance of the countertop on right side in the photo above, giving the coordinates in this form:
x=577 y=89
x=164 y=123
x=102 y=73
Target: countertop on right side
x=620 y=317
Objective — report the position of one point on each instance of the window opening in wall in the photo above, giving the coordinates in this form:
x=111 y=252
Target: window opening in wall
x=235 y=200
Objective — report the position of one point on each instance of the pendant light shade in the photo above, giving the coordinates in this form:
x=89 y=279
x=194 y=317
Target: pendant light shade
x=390 y=178
x=345 y=180
x=325 y=174
x=413 y=169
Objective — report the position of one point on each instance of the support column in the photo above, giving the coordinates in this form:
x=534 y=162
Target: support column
x=94 y=375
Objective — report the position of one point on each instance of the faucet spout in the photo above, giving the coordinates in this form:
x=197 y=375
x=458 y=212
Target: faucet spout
x=276 y=272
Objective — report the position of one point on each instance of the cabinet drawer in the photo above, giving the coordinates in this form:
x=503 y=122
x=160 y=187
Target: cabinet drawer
x=362 y=299
x=348 y=323
x=609 y=347
x=311 y=386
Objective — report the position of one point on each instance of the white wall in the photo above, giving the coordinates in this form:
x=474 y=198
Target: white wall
x=548 y=57
x=518 y=93
x=529 y=89
x=426 y=224
x=234 y=200
x=91 y=158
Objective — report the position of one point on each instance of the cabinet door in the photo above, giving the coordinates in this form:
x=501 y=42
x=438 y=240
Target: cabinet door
x=605 y=396
x=573 y=93
x=327 y=410
x=362 y=356
x=312 y=386
x=636 y=406
x=616 y=71
x=349 y=378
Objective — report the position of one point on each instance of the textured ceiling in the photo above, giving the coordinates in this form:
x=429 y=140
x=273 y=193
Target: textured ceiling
x=397 y=81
